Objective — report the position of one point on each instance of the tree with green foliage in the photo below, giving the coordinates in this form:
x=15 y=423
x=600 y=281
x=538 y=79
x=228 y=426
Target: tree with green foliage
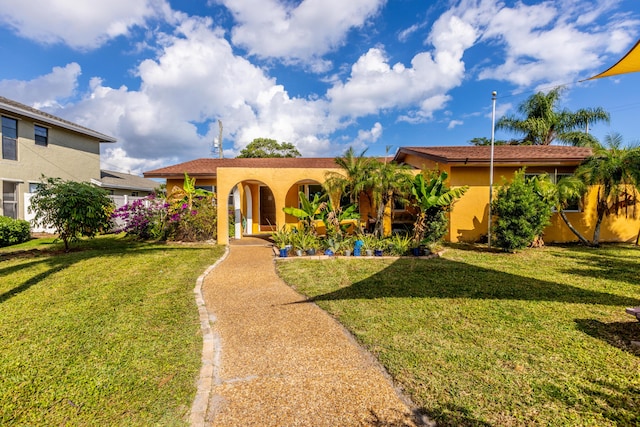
x=72 y=209
x=613 y=170
x=433 y=198
x=542 y=123
x=265 y=147
x=483 y=141
x=522 y=212
x=566 y=192
x=354 y=178
x=387 y=181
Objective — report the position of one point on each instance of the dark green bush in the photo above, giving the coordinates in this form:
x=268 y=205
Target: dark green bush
x=522 y=213
x=13 y=231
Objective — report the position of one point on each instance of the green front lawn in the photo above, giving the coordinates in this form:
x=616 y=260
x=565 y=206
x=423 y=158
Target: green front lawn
x=107 y=334
x=493 y=339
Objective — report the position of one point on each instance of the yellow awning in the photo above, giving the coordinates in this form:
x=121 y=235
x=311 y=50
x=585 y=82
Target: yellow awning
x=630 y=63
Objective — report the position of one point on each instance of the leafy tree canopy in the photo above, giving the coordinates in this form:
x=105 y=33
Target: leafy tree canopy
x=482 y=140
x=73 y=209
x=265 y=147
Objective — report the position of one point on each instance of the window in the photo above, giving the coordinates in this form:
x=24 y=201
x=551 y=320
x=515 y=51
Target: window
x=310 y=190
x=134 y=194
x=209 y=188
x=41 y=135
x=33 y=187
x=9 y=139
x=10 y=199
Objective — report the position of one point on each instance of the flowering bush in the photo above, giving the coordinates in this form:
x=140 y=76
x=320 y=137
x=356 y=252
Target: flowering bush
x=195 y=222
x=144 y=218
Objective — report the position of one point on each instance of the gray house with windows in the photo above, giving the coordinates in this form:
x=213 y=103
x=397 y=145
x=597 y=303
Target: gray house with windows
x=35 y=143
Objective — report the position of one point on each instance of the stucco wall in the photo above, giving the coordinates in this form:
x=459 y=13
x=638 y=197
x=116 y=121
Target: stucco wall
x=68 y=155
x=469 y=218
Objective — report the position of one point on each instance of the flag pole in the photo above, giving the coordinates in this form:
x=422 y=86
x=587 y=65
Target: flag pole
x=493 y=127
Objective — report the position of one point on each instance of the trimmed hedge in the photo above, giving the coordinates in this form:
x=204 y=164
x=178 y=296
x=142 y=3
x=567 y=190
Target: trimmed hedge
x=13 y=231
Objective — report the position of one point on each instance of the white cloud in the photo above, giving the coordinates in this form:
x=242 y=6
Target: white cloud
x=371 y=135
x=79 y=24
x=546 y=43
x=454 y=123
x=196 y=80
x=301 y=31
x=43 y=91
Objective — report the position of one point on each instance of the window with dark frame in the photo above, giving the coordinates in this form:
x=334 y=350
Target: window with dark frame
x=9 y=138
x=41 y=135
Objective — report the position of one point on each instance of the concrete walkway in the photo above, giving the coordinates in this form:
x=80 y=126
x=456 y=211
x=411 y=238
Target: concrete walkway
x=282 y=362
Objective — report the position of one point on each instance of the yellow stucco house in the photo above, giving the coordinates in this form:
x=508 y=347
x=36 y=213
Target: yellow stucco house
x=254 y=191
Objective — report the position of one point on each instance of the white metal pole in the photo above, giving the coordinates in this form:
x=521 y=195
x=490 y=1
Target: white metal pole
x=493 y=127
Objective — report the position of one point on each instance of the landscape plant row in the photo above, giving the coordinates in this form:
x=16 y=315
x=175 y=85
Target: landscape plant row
x=185 y=214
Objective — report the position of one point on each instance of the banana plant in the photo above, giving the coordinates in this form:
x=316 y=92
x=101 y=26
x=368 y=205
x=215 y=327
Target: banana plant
x=309 y=210
x=429 y=196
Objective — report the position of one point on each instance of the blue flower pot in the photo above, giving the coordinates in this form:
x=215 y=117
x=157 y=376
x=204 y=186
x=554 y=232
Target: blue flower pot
x=283 y=253
x=377 y=252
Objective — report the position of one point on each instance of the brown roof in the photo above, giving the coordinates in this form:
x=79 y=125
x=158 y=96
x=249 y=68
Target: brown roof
x=503 y=154
x=209 y=167
x=23 y=110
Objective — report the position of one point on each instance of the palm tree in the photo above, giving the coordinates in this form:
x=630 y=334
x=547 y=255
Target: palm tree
x=612 y=169
x=542 y=123
x=387 y=181
x=561 y=195
x=354 y=179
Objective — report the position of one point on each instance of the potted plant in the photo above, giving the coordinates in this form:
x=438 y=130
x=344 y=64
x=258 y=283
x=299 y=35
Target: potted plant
x=311 y=244
x=399 y=244
x=369 y=241
x=282 y=239
x=297 y=241
x=332 y=246
x=347 y=246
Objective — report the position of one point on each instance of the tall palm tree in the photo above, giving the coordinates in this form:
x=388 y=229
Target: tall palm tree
x=541 y=123
x=387 y=181
x=612 y=169
x=353 y=181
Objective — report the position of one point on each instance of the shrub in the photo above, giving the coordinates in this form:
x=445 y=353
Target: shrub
x=196 y=222
x=399 y=244
x=72 y=208
x=143 y=218
x=13 y=231
x=522 y=213
x=436 y=225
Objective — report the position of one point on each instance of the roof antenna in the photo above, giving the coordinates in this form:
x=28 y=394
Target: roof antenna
x=220 y=138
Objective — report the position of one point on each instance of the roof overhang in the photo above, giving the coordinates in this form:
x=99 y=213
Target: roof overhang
x=48 y=119
x=456 y=156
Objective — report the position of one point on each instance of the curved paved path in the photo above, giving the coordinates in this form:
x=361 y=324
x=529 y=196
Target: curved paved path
x=280 y=362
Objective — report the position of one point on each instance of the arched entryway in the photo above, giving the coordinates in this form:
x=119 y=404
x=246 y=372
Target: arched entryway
x=251 y=209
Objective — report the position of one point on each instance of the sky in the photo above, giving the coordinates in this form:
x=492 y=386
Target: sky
x=324 y=75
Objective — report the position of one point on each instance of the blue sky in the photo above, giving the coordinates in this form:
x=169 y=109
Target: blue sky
x=321 y=74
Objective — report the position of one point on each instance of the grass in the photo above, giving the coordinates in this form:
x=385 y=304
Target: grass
x=107 y=334
x=491 y=339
